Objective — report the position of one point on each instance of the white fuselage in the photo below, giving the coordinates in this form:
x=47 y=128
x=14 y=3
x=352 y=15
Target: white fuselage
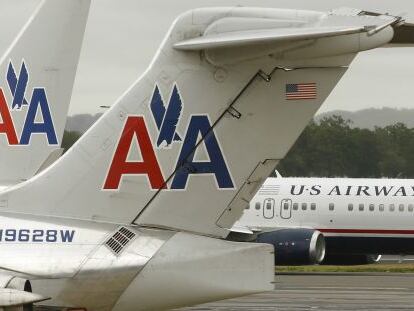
x=379 y=212
x=102 y=266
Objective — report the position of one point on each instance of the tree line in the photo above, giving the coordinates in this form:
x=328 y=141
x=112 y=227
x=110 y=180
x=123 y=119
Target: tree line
x=331 y=147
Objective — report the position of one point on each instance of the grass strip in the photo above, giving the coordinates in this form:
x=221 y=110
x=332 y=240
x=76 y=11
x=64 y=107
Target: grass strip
x=392 y=268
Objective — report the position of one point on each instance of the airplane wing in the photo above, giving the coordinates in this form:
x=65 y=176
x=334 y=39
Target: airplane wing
x=241 y=229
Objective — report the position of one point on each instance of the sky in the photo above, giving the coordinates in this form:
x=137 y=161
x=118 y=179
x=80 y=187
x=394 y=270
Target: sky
x=123 y=35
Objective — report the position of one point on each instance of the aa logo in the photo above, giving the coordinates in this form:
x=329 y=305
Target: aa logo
x=167 y=117
x=37 y=106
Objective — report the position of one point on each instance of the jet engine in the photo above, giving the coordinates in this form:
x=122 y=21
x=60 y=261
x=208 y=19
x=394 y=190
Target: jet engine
x=295 y=246
x=16 y=294
x=350 y=259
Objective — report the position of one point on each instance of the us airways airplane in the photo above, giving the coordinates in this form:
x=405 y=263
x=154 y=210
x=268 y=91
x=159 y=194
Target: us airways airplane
x=332 y=220
x=37 y=73
x=133 y=216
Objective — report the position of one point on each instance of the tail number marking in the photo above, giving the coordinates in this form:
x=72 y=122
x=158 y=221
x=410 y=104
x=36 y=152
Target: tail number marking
x=36 y=235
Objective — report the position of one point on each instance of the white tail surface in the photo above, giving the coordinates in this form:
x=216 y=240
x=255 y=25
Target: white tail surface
x=37 y=75
x=191 y=142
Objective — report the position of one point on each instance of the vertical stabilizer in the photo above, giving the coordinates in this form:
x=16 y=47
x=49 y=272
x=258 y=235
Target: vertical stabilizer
x=37 y=75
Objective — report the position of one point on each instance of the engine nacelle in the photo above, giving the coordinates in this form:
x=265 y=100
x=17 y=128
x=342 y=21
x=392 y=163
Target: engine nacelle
x=350 y=259
x=16 y=294
x=295 y=246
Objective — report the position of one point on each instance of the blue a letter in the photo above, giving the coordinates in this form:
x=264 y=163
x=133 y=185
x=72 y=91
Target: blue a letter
x=30 y=126
x=186 y=164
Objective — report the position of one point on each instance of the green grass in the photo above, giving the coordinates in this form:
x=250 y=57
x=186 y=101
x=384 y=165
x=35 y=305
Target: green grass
x=392 y=268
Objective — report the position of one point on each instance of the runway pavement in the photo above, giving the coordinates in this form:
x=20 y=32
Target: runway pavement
x=327 y=292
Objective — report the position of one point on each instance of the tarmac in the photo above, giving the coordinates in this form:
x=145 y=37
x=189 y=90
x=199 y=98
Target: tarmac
x=327 y=291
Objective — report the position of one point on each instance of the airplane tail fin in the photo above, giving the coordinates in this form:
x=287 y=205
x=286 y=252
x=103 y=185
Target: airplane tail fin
x=38 y=71
x=190 y=143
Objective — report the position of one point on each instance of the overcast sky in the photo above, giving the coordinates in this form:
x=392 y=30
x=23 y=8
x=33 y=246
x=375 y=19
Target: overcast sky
x=123 y=35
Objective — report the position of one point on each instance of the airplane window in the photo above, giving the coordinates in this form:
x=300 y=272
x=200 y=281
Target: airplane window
x=285 y=205
x=392 y=207
x=257 y=205
x=371 y=207
x=361 y=207
x=304 y=206
x=401 y=207
x=295 y=206
x=313 y=206
x=350 y=207
x=381 y=207
x=331 y=206
x=410 y=207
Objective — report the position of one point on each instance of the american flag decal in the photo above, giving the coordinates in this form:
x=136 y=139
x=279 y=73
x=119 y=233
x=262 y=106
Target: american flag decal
x=296 y=91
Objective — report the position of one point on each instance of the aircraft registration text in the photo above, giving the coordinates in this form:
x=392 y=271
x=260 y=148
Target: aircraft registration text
x=36 y=235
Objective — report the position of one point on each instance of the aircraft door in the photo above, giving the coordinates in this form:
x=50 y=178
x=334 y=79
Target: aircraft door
x=286 y=208
x=269 y=208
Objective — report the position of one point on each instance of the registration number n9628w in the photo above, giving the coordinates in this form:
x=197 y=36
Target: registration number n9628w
x=37 y=235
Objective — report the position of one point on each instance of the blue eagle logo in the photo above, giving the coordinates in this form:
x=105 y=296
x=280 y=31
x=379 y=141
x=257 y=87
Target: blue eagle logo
x=166 y=118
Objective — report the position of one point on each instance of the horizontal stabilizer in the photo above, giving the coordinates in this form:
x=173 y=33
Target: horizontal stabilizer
x=12 y=297
x=238 y=38
x=403 y=31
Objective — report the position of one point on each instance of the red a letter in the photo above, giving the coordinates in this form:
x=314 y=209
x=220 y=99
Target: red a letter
x=7 y=126
x=134 y=126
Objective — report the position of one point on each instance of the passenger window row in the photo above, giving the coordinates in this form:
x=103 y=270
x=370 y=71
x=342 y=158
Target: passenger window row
x=360 y=207
x=304 y=206
x=382 y=207
x=295 y=206
x=268 y=205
